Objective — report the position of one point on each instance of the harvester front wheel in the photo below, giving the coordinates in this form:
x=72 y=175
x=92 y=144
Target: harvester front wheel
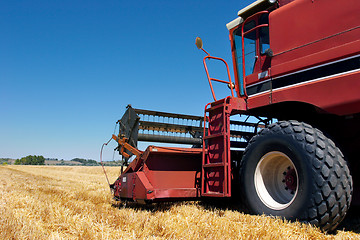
x=290 y=169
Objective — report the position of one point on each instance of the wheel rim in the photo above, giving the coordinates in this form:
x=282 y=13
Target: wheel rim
x=276 y=180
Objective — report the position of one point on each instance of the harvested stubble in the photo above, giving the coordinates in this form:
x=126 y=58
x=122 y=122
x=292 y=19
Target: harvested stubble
x=75 y=203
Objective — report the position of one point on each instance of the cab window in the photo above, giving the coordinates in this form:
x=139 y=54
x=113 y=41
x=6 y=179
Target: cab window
x=249 y=48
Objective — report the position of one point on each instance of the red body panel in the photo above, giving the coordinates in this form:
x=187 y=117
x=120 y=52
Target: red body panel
x=338 y=95
x=297 y=60
x=302 y=22
x=163 y=173
x=143 y=190
x=304 y=35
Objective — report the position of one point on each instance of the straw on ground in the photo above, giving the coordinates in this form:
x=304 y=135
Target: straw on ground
x=44 y=202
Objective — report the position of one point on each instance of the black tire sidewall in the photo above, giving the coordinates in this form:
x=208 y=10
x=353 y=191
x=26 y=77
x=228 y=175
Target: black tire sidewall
x=288 y=145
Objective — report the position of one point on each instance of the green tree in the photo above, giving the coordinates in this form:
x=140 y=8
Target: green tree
x=30 y=160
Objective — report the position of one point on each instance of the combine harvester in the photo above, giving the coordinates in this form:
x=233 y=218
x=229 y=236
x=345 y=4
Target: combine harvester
x=296 y=61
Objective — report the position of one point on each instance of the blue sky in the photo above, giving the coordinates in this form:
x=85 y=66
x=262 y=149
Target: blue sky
x=69 y=68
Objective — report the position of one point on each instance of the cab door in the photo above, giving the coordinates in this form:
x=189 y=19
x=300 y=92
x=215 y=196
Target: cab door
x=251 y=41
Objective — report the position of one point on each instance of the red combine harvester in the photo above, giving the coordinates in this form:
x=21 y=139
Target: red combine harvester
x=294 y=61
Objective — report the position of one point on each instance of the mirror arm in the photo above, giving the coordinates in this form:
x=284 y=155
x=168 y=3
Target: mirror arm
x=205 y=51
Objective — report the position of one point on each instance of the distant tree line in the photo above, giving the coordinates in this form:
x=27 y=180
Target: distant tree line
x=113 y=163
x=87 y=162
x=40 y=160
x=5 y=161
x=30 y=160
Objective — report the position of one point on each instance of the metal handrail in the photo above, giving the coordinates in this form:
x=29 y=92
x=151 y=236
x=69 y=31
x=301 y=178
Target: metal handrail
x=231 y=85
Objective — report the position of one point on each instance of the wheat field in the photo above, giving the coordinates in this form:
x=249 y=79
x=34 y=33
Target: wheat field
x=53 y=202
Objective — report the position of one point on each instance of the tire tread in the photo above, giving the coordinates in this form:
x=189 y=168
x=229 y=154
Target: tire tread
x=332 y=185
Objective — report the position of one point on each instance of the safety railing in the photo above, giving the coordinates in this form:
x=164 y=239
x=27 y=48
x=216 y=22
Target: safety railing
x=210 y=79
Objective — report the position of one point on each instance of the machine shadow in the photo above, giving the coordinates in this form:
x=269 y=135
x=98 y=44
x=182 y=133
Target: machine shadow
x=151 y=207
x=206 y=204
x=351 y=221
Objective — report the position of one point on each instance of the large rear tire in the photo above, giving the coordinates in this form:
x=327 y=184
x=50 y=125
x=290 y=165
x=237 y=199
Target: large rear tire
x=290 y=169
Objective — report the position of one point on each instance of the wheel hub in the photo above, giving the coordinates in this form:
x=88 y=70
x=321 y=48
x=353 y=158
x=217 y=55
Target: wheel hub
x=276 y=180
x=290 y=179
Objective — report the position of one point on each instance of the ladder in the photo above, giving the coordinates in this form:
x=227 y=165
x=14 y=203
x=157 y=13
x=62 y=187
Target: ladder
x=216 y=159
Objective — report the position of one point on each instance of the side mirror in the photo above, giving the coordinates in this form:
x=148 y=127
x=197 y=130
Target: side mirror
x=198 y=43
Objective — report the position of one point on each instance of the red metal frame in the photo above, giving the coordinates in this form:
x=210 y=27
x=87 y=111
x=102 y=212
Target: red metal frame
x=125 y=146
x=231 y=85
x=216 y=159
x=255 y=16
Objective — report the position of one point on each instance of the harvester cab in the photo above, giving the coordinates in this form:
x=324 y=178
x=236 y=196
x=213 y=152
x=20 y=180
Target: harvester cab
x=249 y=34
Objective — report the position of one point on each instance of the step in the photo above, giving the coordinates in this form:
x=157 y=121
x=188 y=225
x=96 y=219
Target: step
x=213 y=194
x=215 y=135
x=212 y=165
